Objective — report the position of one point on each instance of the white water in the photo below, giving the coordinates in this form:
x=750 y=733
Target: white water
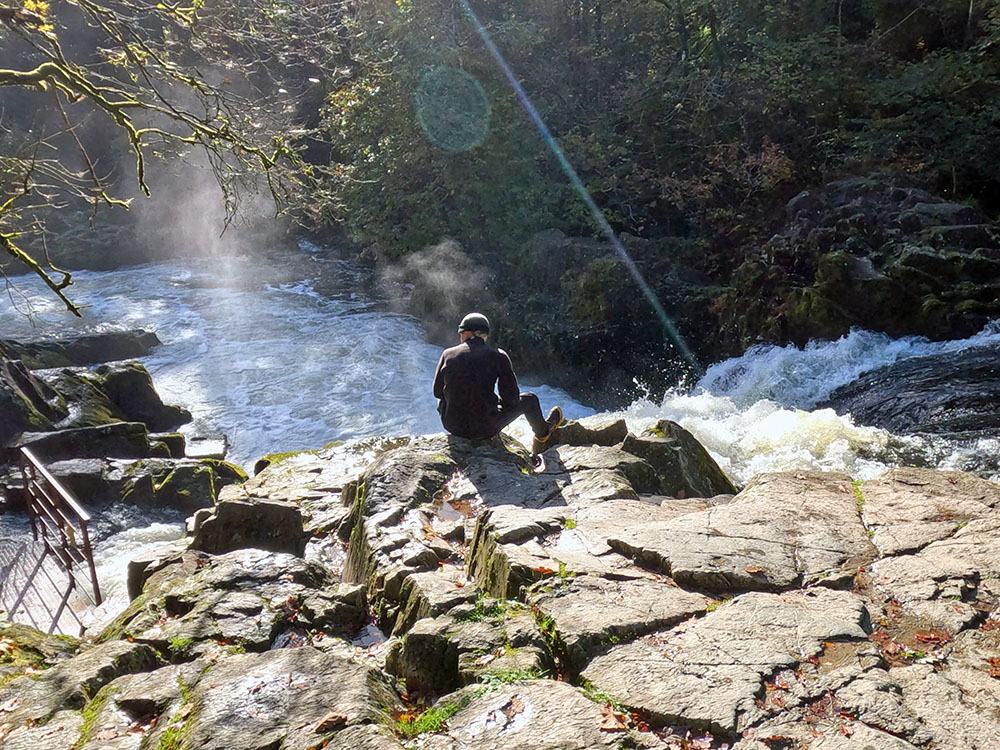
x=284 y=353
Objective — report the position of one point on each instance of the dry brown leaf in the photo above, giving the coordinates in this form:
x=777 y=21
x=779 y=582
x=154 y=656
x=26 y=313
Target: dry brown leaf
x=514 y=706
x=330 y=723
x=485 y=659
x=753 y=569
x=10 y=705
x=187 y=708
x=932 y=636
x=611 y=720
x=543 y=570
x=107 y=734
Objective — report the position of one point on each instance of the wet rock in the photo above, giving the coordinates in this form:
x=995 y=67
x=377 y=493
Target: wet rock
x=26 y=401
x=784 y=530
x=907 y=509
x=709 y=674
x=588 y=613
x=947 y=394
x=207 y=447
x=263 y=524
x=130 y=388
x=89 y=349
x=173 y=442
x=115 y=440
x=149 y=482
x=683 y=465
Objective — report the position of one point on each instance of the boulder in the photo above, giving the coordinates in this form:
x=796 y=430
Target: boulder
x=262 y=524
x=592 y=431
x=88 y=349
x=130 y=388
x=683 y=465
x=26 y=402
x=115 y=440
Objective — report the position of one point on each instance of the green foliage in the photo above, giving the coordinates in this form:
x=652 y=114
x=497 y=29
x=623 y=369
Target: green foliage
x=682 y=119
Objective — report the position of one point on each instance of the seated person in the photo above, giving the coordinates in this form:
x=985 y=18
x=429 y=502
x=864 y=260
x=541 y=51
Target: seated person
x=464 y=383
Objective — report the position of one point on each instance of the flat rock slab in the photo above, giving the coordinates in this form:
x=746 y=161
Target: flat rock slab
x=907 y=509
x=572 y=458
x=708 y=673
x=783 y=531
x=528 y=715
x=945 y=579
x=72 y=683
x=589 y=613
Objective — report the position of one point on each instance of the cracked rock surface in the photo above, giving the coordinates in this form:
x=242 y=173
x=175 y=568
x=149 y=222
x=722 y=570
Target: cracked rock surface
x=440 y=593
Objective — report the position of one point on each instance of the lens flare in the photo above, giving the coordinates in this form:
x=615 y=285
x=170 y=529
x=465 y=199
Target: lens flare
x=673 y=334
x=452 y=109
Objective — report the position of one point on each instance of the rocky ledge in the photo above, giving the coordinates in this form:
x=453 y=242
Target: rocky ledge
x=621 y=595
x=102 y=431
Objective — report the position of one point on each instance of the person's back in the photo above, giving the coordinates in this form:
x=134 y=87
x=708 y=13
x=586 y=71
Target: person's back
x=464 y=385
x=467 y=375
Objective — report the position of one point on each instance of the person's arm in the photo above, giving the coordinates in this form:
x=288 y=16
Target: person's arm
x=439 y=379
x=510 y=394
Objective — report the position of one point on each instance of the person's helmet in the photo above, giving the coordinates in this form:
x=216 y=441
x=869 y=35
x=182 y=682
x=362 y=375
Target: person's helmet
x=474 y=322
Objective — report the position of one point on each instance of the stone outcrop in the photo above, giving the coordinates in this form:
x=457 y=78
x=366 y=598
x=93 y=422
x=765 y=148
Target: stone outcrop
x=955 y=394
x=571 y=604
x=104 y=432
x=88 y=349
x=871 y=253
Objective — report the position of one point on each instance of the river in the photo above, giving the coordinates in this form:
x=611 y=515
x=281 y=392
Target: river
x=290 y=351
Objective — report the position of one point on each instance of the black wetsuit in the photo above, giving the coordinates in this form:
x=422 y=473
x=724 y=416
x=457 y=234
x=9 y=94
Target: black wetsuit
x=464 y=384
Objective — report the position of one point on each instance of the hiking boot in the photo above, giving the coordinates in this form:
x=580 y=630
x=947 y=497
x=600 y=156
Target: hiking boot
x=553 y=421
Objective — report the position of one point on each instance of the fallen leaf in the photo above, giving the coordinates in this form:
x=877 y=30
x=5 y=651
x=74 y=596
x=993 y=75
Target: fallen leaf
x=932 y=636
x=514 y=706
x=994 y=661
x=10 y=705
x=330 y=723
x=543 y=570
x=107 y=734
x=485 y=659
x=611 y=720
x=753 y=570
x=187 y=708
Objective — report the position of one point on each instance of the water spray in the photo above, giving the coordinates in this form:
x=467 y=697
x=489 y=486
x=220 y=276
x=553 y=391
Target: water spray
x=668 y=325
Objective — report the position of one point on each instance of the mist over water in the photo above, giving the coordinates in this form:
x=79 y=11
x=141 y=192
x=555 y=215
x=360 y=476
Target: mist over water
x=280 y=353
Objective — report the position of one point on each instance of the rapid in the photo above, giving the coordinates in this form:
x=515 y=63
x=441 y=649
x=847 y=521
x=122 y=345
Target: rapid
x=295 y=350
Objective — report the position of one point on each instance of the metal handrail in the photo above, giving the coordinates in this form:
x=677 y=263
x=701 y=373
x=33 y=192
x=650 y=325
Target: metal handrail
x=60 y=523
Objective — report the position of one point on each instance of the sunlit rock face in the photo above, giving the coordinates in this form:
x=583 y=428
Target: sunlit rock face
x=610 y=595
